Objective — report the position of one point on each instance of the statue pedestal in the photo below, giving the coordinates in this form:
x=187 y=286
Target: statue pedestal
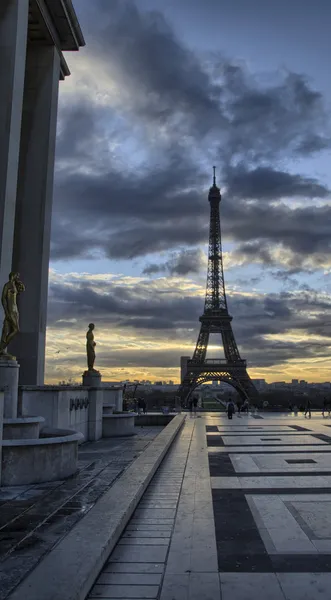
x=91 y=378
x=9 y=370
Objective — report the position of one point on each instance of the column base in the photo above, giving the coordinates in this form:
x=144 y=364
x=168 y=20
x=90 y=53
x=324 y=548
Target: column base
x=9 y=370
x=91 y=379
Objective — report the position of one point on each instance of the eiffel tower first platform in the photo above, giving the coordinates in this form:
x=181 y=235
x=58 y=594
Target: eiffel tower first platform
x=216 y=319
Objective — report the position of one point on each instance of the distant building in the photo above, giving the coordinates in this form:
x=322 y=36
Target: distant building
x=183 y=366
x=260 y=384
x=295 y=381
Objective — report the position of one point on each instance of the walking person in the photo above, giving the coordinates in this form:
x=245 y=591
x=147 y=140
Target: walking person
x=195 y=405
x=245 y=407
x=308 y=408
x=230 y=409
x=325 y=406
x=239 y=407
x=191 y=407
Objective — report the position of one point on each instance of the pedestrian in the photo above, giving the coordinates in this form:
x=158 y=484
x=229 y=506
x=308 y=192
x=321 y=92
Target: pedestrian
x=245 y=406
x=308 y=408
x=239 y=406
x=191 y=406
x=325 y=406
x=230 y=409
x=144 y=405
x=195 y=405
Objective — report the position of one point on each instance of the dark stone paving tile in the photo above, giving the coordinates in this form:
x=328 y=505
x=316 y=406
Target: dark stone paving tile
x=210 y=428
x=257 y=417
x=299 y=428
x=322 y=436
x=214 y=440
x=239 y=544
x=220 y=464
x=303 y=563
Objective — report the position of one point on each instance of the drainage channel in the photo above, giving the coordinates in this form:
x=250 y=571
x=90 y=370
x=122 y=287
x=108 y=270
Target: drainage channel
x=137 y=564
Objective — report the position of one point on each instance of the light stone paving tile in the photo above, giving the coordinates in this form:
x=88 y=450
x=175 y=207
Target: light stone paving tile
x=154 y=554
x=322 y=546
x=262 y=441
x=156 y=513
x=218 y=483
x=298 y=481
x=203 y=554
x=149 y=528
x=146 y=534
x=305 y=586
x=124 y=591
x=133 y=568
x=146 y=541
x=305 y=497
x=243 y=463
x=161 y=505
x=151 y=521
x=285 y=533
x=250 y=586
x=316 y=515
x=262 y=449
x=294 y=541
x=130 y=578
x=204 y=586
x=175 y=587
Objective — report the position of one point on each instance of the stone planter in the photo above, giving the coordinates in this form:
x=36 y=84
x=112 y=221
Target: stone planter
x=108 y=409
x=118 y=425
x=23 y=428
x=39 y=460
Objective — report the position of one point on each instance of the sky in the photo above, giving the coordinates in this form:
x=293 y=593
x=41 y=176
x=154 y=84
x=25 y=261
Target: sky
x=161 y=92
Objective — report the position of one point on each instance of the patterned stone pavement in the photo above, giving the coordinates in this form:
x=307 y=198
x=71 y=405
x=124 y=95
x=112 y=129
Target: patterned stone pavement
x=239 y=509
x=34 y=518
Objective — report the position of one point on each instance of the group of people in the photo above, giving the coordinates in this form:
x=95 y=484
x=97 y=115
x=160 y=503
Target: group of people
x=141 y=406
x=193 y=406
x=231 y=409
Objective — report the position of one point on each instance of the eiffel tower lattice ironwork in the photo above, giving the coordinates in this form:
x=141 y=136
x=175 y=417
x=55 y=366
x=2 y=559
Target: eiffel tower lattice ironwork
x=216 y=319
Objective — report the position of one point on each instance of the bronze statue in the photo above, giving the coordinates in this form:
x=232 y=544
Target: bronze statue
x=10 y=328
x=90 y=345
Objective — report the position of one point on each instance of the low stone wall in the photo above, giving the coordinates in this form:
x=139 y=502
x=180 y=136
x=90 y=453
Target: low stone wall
x=113 y=395
x=153 y=420
x=65 y=407
x=23 y=428
x=36 y=461
x=118 y=425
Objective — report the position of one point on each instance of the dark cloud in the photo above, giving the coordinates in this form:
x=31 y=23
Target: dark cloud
x=180 y=263
x=269 y=184
x=172 y=114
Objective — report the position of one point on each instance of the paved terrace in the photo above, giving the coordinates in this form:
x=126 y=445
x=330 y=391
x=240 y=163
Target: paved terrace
x=238 y=510
x=33 y=518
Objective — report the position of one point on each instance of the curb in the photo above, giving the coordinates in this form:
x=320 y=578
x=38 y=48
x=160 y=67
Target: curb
x=69 y=570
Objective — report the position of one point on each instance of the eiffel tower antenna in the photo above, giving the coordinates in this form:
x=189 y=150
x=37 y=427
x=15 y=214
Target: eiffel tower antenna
x=216 y=319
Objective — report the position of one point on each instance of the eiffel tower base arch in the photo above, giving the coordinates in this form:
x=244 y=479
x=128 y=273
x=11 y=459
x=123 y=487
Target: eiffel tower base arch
x=237 y=377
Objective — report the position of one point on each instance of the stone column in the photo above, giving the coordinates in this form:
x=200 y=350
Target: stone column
x=9 y=370
x=13 y=36
x=91 y=379
x=1 y=427
x=34 y=207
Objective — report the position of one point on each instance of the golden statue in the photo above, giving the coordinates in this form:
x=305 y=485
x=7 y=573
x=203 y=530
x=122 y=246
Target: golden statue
x=90 y=345
x=10 y=328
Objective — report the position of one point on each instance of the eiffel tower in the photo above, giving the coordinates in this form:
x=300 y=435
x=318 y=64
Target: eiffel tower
x=216 y=319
